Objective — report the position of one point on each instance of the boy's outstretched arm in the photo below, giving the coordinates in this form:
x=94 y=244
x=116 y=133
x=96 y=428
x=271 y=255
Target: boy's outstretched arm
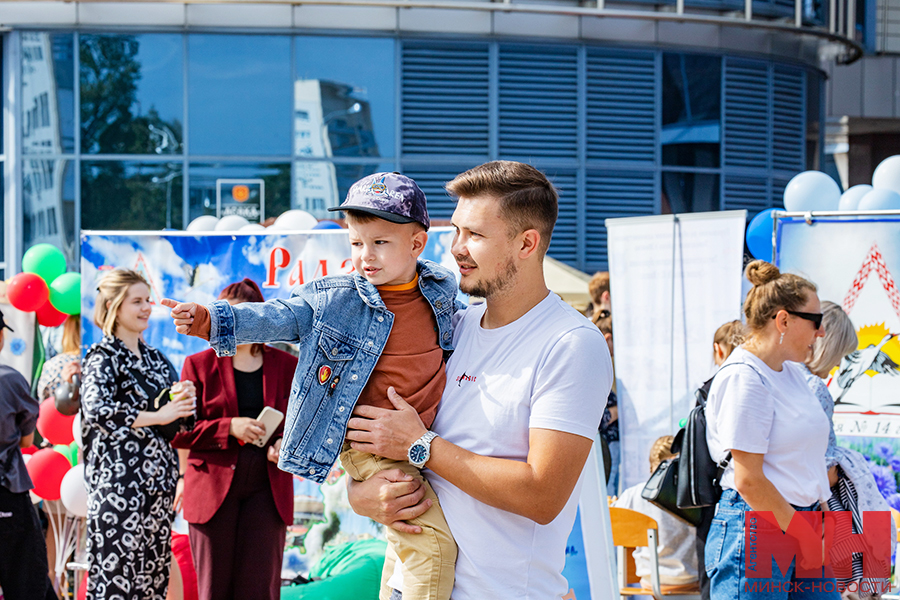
x=225 y=326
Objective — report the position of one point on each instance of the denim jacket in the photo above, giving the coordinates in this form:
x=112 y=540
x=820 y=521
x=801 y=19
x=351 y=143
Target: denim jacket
x=341 y=326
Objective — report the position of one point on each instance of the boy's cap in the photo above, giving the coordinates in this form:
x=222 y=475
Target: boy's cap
x=3 y=324
x=390 y=196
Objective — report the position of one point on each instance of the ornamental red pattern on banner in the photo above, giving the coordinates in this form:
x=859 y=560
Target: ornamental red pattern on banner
x=873 y=259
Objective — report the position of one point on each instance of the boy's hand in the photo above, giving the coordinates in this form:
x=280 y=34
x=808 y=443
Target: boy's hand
x=184 y=314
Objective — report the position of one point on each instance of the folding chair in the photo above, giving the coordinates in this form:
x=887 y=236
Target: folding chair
x=630 y=530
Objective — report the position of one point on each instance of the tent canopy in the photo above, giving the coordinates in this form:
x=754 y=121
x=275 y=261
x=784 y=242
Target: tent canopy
x=569 y=283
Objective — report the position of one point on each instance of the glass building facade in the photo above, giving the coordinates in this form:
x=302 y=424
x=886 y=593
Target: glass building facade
x=148 y=131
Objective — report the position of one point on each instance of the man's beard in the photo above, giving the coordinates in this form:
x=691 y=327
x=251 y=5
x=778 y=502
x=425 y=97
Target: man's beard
x=500 y=283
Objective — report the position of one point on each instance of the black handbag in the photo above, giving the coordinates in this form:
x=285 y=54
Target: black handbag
x=662 y=490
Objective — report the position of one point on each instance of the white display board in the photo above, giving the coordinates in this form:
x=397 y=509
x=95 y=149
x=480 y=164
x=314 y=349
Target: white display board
x=18 y=345
x=673 y=281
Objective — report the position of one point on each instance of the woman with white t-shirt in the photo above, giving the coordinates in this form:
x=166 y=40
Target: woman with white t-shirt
x=761 y=410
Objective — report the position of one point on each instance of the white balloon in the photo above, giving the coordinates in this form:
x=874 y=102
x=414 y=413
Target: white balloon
x=295 y=220
x=887 y=174
x=880 y=200
x=203 y=223
x=252 y=227
x=231 y=223
x=850 y=199
x=811 y=190
x=73 y=493
x=76 y=429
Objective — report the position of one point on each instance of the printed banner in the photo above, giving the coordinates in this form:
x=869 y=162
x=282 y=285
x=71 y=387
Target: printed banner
x=674 y=281
x=855 y=262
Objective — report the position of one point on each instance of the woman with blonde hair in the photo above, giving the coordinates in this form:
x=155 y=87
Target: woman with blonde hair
x=131 y=471
x=766 y=427
x=839 y=341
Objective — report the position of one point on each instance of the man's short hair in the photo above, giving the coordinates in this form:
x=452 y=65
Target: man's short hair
x=527 y=198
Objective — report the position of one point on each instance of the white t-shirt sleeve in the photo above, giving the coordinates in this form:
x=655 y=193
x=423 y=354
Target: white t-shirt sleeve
x=746 y=411
x=572 y=384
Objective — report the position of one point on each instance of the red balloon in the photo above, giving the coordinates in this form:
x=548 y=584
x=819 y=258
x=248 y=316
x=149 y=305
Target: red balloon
x=47 y=468
x=30 y=449
x=54 y=426
x=49 y=316
x=27 y=292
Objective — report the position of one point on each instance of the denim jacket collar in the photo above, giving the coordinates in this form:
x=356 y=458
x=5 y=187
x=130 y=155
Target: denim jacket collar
x=369 y=293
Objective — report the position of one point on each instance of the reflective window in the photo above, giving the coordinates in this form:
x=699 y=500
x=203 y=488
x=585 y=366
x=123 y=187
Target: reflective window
x=239 y=95
x=319 y=185
x=48 y=205
x=689 y=192
x=212 y=185
x=131 y=195
x=48 y=93
x=131 y=94
x=343 y=97
x=691 y=110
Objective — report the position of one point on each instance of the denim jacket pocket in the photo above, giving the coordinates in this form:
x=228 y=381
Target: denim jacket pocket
x=335 y=348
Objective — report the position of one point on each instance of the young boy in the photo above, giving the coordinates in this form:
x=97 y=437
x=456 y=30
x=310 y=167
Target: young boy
x=386 y=325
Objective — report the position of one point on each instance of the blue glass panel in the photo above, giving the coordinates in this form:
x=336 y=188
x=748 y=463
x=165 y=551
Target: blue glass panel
x=48 y=205
x=344 y=97
x=131 y=195
x=319 y=185
x=48 y=93
x=239 y=95
x=207 y=179
x=132 y=93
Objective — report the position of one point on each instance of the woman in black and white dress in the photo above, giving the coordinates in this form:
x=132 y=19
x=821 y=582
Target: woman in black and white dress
x=131 y=471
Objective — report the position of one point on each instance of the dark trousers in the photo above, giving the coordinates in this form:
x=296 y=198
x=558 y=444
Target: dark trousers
x=23 y=550
x=238 y=552
x=706 y=516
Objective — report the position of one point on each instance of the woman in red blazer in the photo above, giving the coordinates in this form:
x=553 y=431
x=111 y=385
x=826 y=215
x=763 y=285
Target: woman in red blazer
x=236 y=500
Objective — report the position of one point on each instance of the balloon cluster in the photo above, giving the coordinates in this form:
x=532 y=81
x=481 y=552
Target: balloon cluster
x=291 y=220
x=56 y=472
x=44 y=288
x=815 y=191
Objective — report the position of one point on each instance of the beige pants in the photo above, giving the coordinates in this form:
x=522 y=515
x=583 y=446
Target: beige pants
x=428 y=559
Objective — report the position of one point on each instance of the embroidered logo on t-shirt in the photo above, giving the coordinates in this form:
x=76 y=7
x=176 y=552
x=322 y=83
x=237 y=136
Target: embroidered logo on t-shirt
x=464 y=377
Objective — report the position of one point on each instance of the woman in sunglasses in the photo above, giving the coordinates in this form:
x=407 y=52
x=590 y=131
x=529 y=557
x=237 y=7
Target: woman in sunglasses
x=766 y=425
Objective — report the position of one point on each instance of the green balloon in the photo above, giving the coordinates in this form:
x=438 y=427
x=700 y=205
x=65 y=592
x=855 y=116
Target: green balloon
x=67 y=452
x=682 y=423
x=44 y=260
x=73 y=453
x=65 y=293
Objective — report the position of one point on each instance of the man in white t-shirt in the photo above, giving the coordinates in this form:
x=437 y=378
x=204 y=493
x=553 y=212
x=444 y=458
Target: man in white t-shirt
x=526 y=387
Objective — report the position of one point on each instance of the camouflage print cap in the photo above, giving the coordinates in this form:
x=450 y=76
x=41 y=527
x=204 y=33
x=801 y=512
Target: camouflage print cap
x=390 y=196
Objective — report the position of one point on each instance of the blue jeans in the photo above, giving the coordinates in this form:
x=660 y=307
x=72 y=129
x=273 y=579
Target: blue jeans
x=725 y=562
x=615 y=457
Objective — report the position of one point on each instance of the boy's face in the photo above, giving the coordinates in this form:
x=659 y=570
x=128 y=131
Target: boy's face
x=385 y=253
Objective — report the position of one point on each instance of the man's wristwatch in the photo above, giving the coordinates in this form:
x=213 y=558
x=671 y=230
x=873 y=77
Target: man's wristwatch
x=420 y=451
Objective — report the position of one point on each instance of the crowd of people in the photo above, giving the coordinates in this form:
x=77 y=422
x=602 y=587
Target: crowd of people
x=500 y=401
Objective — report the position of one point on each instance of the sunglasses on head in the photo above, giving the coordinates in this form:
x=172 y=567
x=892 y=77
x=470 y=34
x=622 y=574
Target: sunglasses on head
x=815 y=318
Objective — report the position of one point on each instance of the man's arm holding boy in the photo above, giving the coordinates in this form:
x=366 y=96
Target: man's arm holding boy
x=537 y=488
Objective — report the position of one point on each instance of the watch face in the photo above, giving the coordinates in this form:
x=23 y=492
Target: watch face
x=417 y=453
